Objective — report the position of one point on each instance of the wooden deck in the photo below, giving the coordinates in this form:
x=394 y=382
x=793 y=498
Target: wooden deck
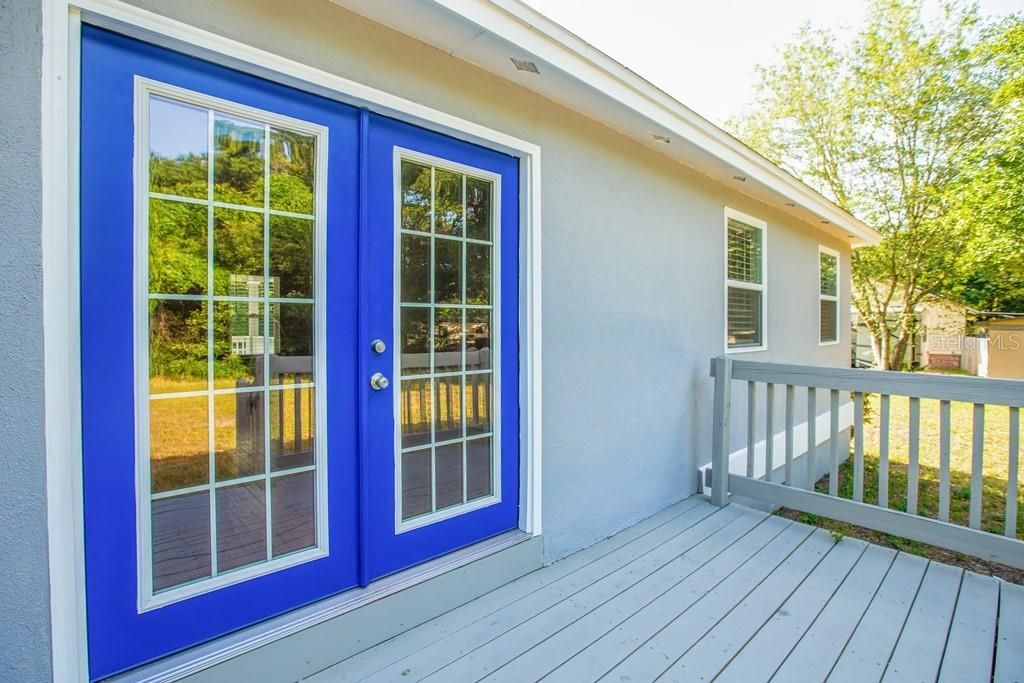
x=731 y=594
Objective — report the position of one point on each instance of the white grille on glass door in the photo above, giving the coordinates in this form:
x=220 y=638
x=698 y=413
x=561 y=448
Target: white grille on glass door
x=446 y=301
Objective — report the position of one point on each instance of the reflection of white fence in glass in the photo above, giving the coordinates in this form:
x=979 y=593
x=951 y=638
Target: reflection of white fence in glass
x=476 y=359
x=250 y=414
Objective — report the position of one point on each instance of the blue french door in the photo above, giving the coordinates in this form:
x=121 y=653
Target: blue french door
x=299 y=348
x=441 y=279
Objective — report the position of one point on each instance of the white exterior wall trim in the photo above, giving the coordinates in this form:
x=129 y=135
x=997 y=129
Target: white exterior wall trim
x=761 y=287
x=822 y=434
x=61 y=28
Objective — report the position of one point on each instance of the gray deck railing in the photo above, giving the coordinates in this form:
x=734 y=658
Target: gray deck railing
x=795 y=489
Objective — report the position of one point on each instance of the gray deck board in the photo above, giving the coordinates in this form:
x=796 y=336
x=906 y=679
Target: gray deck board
x=821 y=642
x=1009 y=665
x=566 y=575
x=972 y=636
x=792 y=596
x=731 y=594
x=867 y=652
x=533 y=662
x=922 y=643
x=590 y=585
x=606 y=652
x=677 y=639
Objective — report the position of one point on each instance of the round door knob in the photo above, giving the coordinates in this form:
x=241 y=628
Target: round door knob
x=378 y=346
x=379 y=381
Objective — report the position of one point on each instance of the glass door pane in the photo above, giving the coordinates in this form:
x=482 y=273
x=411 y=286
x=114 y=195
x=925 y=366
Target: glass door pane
x=445 y=284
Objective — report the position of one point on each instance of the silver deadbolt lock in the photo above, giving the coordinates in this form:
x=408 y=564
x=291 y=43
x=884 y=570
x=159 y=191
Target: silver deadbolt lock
x=378 y=346
x=379 y=381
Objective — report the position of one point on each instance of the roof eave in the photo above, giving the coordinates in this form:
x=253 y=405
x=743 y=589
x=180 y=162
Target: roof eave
x=487 y=33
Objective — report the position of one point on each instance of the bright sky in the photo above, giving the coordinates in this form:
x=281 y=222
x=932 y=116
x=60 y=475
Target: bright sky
x=703 y=52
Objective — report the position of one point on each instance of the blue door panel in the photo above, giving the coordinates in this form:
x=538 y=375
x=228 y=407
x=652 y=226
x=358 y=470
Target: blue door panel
x=359 y=305
x=120 y=637
x=388 y=551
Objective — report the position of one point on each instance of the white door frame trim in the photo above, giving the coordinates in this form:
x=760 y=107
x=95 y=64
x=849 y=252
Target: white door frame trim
x=61 y=30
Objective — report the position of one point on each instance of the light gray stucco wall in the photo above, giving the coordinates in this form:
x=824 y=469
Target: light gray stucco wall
x=633 y=268
x=24 y=588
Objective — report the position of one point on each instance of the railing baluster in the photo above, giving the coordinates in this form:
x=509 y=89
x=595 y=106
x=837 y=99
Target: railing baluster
x=833 y=474
x=944 y=436
x=720 y=433
x=977 y=459
x=858 y=447
x=883 y=451
x=965 y=534
x=913 y=468
x=769 y=431
x=812 y=434
x=751 y=421
x=1011 y=475
x=790 y=409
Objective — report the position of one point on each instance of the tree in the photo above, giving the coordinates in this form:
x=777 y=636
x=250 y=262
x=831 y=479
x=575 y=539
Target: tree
x=989 y=200
x=885 y=127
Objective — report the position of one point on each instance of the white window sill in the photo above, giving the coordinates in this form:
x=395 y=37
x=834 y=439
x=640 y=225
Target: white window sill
x=745 y=349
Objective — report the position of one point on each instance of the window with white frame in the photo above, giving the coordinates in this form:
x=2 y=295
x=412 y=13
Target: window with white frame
x=233 y=480
x=745 y=281
x=828 y=296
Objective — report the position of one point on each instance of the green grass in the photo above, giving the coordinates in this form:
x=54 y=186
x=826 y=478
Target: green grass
x=995 y=469
x=994 y=478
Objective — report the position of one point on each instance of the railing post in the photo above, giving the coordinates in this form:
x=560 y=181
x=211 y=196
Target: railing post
x=720 y=431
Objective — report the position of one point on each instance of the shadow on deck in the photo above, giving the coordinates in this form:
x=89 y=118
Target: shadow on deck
x=698 y=592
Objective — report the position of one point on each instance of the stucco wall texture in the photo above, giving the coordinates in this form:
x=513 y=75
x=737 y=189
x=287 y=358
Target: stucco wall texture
x=633 y=268
x=633 y=303
x=24 y=588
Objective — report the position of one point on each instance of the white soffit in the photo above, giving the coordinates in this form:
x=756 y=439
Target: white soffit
x=489 y=33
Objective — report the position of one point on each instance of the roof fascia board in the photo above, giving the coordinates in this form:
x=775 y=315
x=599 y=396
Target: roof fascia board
x=536 y=34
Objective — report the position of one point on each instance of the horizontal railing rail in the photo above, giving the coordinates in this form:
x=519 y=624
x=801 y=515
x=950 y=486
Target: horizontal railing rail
x=780 y=482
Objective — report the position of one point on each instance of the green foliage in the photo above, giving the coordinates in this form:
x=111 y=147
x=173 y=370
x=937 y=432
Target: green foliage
x=908 y=128
x=178 y=250
x=989 y=196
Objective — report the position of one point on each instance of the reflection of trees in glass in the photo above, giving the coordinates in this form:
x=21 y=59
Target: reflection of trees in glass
x=829 y=263
x=177 y=332
x=178 y=247
x=415 y=197
x=291 y=256
x=448 y=203
x=478 y=274
x=237 y=249
x=415 y=269
x=478 y=209
x=238 y=161
x=184 y=176
x=292 y=171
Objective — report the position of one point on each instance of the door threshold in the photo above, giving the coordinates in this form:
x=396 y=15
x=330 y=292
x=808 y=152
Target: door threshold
x=197 y=659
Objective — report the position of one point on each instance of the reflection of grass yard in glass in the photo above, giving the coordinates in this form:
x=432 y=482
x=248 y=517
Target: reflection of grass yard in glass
x=179 y=434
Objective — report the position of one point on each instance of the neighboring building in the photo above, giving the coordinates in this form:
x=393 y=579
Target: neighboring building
x=1005 y=348
x=938 y=342
x=943 y=327
x=406 y=174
